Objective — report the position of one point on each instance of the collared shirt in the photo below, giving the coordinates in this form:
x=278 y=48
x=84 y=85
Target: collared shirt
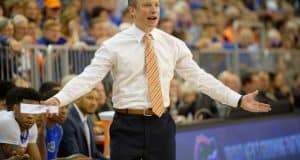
x=10 y=131
x=82 y=117
x=123 y=55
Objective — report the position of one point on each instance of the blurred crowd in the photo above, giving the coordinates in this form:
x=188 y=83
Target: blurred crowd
x=200 y=23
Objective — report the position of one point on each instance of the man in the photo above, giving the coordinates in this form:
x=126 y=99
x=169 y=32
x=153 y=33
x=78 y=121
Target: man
x=54 y=131
x=141 y=127
x=51 y=34
x=78 y=134
x=52 y=9
x=5 y=86
x=18 y=131
x=21 y=25
x=250 y=82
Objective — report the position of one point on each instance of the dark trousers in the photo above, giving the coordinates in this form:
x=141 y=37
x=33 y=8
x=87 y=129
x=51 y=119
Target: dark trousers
x=136 y=137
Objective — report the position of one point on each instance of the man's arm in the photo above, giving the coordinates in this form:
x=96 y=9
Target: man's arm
x=10 y=150
x=33 y=151
x=190 y=71
x=86 y=81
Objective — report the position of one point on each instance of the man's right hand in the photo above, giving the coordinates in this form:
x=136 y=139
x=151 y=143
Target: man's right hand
x=51 y=102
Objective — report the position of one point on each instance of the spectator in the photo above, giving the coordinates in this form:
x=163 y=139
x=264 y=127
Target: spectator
x=1 y=10
x=5 y=86
x=71 y=28
x=86 y=13
x=20 y=23
x=190 y=95
x=32 y=11
x=51 y=34
x=6 y=35
x=54 y=131
x=14 y=7
x=21 y=82
x=98 y=32
x=78 y=128
x=166 y=24
x=250 y=82
x=47 y=86
x=279 y=87
x=18 y=131
x=296 y=91
x=52 y=10
x=231 y=13
x=273 y=39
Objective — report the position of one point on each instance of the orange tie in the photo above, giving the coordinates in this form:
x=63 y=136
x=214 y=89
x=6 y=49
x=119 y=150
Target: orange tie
x=152 y=74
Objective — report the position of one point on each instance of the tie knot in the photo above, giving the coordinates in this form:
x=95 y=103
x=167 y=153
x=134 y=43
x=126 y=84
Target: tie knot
x=147 y=38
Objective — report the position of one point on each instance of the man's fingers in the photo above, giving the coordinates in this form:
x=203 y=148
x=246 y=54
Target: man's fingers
x=261 y=107
x=254 y=94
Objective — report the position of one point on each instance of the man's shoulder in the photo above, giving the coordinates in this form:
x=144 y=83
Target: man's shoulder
x=7 y=119
x=10 y=131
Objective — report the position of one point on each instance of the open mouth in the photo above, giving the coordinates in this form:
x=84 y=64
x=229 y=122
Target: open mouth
x=152 y=18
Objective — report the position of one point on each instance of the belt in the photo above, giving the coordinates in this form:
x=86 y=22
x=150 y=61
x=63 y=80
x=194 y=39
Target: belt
x=144 y=112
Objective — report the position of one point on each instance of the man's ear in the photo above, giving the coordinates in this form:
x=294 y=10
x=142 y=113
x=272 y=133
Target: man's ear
x=131 y=10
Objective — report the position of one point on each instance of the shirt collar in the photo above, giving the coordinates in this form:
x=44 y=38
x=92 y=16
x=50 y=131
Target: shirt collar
x=82 y=117
x=139 y=34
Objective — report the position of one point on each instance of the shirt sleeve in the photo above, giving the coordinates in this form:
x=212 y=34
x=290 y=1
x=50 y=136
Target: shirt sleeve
x=188 y=69
x=87 y=80
x=9 y=133
x=33 y=134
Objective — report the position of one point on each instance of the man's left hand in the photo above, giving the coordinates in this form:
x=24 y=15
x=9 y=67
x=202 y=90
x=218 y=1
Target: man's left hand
x=249 y=103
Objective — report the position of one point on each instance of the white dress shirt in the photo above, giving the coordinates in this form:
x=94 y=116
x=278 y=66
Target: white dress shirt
x=123 y=55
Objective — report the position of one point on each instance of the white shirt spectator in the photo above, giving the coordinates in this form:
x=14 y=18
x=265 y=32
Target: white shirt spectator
x=10 y=132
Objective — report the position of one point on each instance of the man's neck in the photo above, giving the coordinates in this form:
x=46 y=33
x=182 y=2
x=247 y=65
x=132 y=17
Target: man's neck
x=50 y=124
x=21 y=128
x=144 y=29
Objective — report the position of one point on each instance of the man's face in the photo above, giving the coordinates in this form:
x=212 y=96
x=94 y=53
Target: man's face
x=101 y=93
x=255 y=83
x=53 y=13
x=53 y=33
x=21 y=30
x=25 y=121
x=100 y=30
x=146 y=14
x=88 y=103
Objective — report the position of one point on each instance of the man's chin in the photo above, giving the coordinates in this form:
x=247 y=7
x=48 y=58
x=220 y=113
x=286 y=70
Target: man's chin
x=27 y=126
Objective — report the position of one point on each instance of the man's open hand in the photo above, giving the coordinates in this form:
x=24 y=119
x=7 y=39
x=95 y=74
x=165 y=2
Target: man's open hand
x=249 y=103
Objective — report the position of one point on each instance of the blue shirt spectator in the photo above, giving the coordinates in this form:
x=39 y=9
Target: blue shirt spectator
x=53 y=139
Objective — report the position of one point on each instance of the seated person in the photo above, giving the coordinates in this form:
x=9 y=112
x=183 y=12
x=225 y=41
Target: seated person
x=78 y=134
x=54 y=131
x=18 y=131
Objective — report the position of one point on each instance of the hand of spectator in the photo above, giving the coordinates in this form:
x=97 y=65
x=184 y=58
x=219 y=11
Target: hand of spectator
x=20 y=157
x=249 y=103
x=15 y=46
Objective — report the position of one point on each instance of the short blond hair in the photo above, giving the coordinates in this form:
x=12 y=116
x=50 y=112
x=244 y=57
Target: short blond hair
x=50 y=23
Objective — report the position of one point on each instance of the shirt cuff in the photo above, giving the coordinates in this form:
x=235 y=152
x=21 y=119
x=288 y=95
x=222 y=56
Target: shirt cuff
x=233 y=99
x=62 y=98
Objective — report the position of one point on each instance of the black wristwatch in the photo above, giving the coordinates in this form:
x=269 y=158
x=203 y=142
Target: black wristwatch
x=240 y=101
